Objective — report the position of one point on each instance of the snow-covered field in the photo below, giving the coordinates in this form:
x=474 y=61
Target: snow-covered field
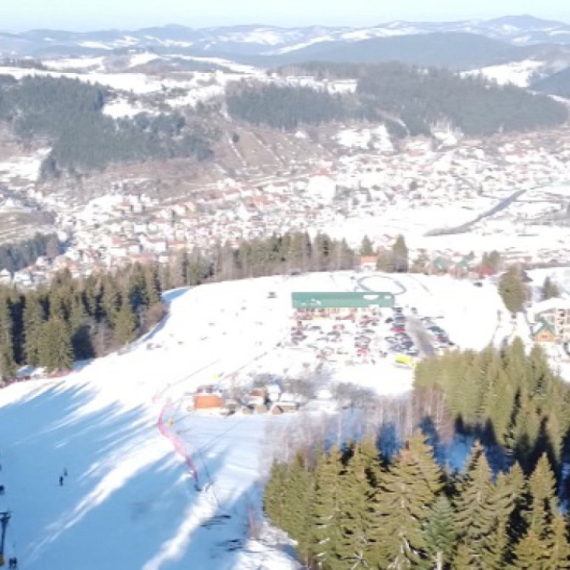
x=129 y=502
x=23 y=167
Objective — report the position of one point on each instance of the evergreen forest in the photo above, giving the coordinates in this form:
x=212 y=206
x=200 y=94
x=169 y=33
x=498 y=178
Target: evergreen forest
x=349 y=508
x=68 y=114
x=409 y=100
x=353 y=506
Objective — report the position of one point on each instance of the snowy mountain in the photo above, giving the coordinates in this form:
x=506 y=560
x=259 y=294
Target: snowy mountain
x=258 y=40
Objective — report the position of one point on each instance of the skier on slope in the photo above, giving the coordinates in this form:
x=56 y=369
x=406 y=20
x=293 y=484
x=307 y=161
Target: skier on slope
x=61 y=480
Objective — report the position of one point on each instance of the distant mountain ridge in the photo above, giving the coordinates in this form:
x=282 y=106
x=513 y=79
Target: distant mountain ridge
x=260 y=40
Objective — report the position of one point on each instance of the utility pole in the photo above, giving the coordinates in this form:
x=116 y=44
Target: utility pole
x=4 y=519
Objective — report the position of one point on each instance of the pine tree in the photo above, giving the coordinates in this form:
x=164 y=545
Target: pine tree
x=385 y=261
x=499 y=400
x=512 y=290
x=110 y=301
x=125 y=323
x=353 y=546
x=273 y=497
x=549 y=289
x=463 y=558
x=326 y=509
x=558 y=548
x=152 y=285
x=407 y=492
x=440 y=532
x=543 y=501
x=55 y=350
x=530 y=553
x=506 y=497
x=7 y=361
x=475 y=513
x=366 y=248
x=33 y=322
x=297 y=498
x=400 y=255
x=80 y=334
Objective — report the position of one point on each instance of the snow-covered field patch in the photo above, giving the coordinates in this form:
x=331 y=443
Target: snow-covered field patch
x=377 y=138
x=124 y=108
x=23 y=167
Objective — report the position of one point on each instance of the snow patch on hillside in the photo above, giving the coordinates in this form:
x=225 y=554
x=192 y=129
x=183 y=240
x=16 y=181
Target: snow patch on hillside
x=95 y=45
x=94 y=63
x=517 y=73
x=23 y=167
x=142 y=59
x=236 y=67
x=123 y=108
x=377 y=138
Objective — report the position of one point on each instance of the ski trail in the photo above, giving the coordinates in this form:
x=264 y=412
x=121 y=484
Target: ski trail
x=194 y=516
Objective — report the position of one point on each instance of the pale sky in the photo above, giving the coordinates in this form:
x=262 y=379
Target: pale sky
x=82 y=15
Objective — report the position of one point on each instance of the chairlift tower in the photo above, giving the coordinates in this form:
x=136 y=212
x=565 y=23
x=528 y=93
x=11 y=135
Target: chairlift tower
x=4 y=519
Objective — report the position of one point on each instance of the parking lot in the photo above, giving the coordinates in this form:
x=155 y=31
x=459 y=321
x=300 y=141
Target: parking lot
x=367 y=335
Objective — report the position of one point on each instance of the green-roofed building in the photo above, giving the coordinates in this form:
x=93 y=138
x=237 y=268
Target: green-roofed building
x=342 y=300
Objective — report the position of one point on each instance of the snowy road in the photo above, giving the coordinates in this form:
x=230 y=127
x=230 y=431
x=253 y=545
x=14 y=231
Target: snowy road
x=420 y=336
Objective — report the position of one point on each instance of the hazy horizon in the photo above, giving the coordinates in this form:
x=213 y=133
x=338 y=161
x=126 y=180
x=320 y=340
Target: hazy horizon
x=129 y=15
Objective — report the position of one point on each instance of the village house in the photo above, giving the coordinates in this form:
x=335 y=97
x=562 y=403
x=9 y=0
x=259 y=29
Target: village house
x=556 y=314
x=543 y=332
x=368 y=263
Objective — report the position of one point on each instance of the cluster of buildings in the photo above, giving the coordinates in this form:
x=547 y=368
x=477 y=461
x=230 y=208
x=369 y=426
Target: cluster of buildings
x=418 y=189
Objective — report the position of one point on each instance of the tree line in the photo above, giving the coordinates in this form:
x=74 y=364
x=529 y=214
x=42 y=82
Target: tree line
x=350 y=508
x=76 y=319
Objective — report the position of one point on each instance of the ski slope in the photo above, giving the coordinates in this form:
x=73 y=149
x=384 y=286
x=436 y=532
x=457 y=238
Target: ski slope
x=129 y=501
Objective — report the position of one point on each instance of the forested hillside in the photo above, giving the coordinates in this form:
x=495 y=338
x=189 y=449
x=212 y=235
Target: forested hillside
x=393 y=92
x=421 y=98
x=68 y=115
x=557 y=84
